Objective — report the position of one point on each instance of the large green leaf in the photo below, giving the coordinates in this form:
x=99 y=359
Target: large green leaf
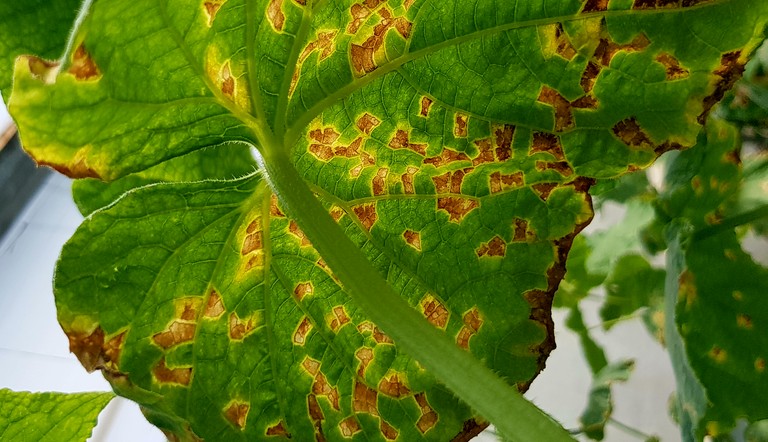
x=54 y=417
x=453 y=142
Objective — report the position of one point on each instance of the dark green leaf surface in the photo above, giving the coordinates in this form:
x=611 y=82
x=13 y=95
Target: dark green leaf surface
x=453 y=142
x=49 y=417
x=632 y=285
x=38 y=27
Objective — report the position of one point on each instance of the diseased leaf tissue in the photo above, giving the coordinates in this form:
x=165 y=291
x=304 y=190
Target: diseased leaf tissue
x=455 y=142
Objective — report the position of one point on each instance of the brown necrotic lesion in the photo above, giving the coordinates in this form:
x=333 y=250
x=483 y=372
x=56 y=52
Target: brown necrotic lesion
x=413 y=239
x=301 y=332
x=499 y=182
x=236 y=414
x=472 y=323
x=496 y=247
x=435 y=311
x=83 y=67
x=428 y=418
x=167 y=375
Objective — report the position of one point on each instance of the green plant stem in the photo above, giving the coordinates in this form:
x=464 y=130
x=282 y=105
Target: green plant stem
x=630 y=430
x=494 y=399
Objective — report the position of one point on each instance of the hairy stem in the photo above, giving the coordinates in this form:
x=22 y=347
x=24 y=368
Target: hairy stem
x=497 y=401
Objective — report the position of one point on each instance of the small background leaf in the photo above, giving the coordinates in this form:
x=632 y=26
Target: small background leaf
x=49 y=417
x=600 y=405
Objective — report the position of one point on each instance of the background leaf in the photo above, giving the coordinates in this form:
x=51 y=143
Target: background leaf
x=600 y=405
x=50 y=417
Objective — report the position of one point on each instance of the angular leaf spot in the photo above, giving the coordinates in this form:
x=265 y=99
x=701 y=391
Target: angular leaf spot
x=338 y=318
x=657 y=4
x=349 y=427
x=413 y=239
x=500 y=182
x=450 y=182
x=366 y=213
x=485 y=152
x=365 y=400
x=378 y=335
x=239 y=329
x=389 y=432
x=447 y=157
x=434 y=311
x=595 y=6
x=321 y=387
x=456 y=207
x=629 y=132
x=367 y=56
x=521 y=232
x=426 y=105
x=472 y=324
x=303 y=289
x=365 y=355
x=325 y=148
x=401 y=141
x=687 y=292
x=254 y=241
x=727 y=74
x=294 y=230
x=360 y=13
x=408 y=180
x=214 y=308
x=673 y=69
x=317 y=416
x=563 y=112
x=760 y=365
x=555 y=41
x=94 y=351
x=211 y=8
x=496 y=247
x=83 y=66
x=504 y=135
x=323 y=43
x=366 y=160
x=379 y=182
x=227 y=81
x=391 y=385
x=744 y=321
x=177 y=333
x=367 y=123
x=275 y=14
x=312 y=366
x=302 y=330
x=543 y=190
x=274 y=207
x=718 y=355
x=278 y=430
x=607 y=49
x=547 y=143
x=165 y=375
x=589 y=77
x=236 y=414
x=460 y=126
x=428 y=418
x=43 y=70
x=87 y=347
x=561 y=167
